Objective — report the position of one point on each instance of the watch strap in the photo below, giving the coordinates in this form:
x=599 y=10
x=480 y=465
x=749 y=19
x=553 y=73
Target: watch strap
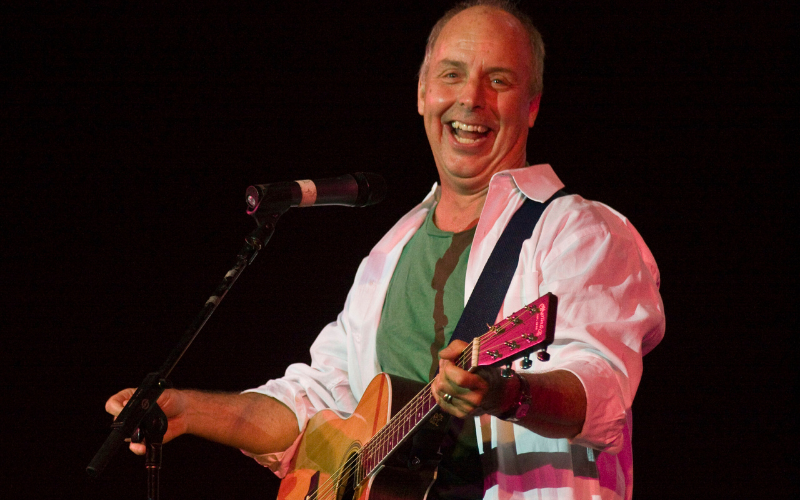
x=520 y=408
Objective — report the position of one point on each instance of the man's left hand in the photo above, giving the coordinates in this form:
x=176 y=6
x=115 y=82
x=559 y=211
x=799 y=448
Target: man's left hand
x=461 y=393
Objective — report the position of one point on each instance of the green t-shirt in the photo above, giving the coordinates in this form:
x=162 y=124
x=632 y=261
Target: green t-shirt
x=424 y=301
x=423 y=304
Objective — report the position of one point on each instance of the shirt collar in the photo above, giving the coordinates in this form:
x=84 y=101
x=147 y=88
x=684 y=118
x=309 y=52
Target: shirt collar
x=537 y=182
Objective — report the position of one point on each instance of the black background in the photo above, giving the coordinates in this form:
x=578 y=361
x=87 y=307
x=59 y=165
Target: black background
x=131 y=130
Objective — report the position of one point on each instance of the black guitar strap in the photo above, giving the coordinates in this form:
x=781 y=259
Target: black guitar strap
x=463 y=476
x=490 y=290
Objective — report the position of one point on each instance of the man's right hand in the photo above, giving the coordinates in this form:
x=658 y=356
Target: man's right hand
x=249 y=421
x=172 y=403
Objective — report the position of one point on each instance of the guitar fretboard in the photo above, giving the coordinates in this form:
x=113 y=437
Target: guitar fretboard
x=399 y=427
x=510 y=338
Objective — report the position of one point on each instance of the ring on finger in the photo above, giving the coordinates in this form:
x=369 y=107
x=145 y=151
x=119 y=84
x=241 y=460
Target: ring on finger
x=448 y=398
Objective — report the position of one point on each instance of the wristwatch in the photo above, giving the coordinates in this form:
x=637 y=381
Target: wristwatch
x=519 y=409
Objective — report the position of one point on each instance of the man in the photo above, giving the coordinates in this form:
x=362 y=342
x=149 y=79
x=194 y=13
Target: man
x=478 y=94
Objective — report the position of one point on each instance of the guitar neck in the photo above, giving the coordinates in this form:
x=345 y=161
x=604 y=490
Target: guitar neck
x=518 y=335
x=394 y=433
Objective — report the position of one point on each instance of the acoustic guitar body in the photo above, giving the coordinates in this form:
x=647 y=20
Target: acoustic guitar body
x=389 y=450
x=321 y=468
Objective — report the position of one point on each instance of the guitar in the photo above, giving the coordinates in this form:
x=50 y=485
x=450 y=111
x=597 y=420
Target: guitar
x=387 y=451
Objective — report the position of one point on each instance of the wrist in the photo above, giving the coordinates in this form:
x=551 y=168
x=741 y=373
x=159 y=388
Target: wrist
x=520 y=403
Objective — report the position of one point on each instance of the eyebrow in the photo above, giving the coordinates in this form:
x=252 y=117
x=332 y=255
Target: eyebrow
x=463 y=65
x=451 y=62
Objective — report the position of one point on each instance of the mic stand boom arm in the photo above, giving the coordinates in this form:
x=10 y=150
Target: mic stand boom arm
x=143 y=402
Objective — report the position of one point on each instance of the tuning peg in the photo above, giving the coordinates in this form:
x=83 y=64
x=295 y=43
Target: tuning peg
x=506 y=371
x=526 y=362
x=543 y=356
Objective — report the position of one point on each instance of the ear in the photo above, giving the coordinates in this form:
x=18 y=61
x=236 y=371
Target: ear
x=420 y=96
x=533 y=111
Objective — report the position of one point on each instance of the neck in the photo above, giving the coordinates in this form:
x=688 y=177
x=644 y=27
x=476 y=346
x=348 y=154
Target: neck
x=456 y=213
x=462 y=199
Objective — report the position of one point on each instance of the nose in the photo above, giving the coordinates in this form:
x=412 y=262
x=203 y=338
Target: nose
x=472 y=95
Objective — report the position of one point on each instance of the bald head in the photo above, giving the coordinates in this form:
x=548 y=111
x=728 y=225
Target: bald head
x=516 y=19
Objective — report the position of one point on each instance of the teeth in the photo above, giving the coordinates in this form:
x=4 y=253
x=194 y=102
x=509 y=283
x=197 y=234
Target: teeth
x=469 y=128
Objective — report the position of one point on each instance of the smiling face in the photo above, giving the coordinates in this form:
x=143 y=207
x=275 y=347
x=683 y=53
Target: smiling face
x=475 y=98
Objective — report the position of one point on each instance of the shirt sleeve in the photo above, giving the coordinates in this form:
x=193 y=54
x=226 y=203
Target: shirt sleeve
x=343 y=359
x=306 y=389
x=609 y=311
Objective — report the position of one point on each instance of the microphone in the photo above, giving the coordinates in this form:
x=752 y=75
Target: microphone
x=360 y=189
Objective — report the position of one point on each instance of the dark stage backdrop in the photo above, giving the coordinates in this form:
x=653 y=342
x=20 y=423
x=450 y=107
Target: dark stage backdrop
x=130 y=132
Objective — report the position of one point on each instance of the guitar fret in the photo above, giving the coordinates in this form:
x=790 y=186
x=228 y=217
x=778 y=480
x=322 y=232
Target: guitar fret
x=515 y=336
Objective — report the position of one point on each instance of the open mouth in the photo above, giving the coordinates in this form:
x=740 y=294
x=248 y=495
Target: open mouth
x=468 y=134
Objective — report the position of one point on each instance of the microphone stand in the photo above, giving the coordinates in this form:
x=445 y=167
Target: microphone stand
x=142 y=419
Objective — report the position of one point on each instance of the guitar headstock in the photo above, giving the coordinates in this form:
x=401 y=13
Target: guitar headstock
x=527 y=330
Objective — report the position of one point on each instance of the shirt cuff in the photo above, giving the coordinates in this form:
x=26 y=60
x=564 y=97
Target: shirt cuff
x=605 y=408
x=294 y=399
x=277 y=462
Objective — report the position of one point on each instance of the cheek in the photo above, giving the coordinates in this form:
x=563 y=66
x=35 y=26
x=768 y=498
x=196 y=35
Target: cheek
x=515 y=120
x=438 y=96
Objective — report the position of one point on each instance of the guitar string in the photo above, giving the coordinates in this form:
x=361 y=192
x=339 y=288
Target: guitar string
x=392 y=427
x=423 y=400
x=384 y=435
x=509 y=323
x=331 y=484
x=382 y=438
x=372 y=446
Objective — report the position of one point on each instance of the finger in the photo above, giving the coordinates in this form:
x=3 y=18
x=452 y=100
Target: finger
x=117 y=402
x=444 y=394
x=138 y=448
x=467 y=390
x=454 y=406
x=459 y=380
x=124 y=403
x=452 y=351
x=449 y=398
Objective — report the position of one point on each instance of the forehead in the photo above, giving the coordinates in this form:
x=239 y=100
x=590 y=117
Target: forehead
x=492 y=36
